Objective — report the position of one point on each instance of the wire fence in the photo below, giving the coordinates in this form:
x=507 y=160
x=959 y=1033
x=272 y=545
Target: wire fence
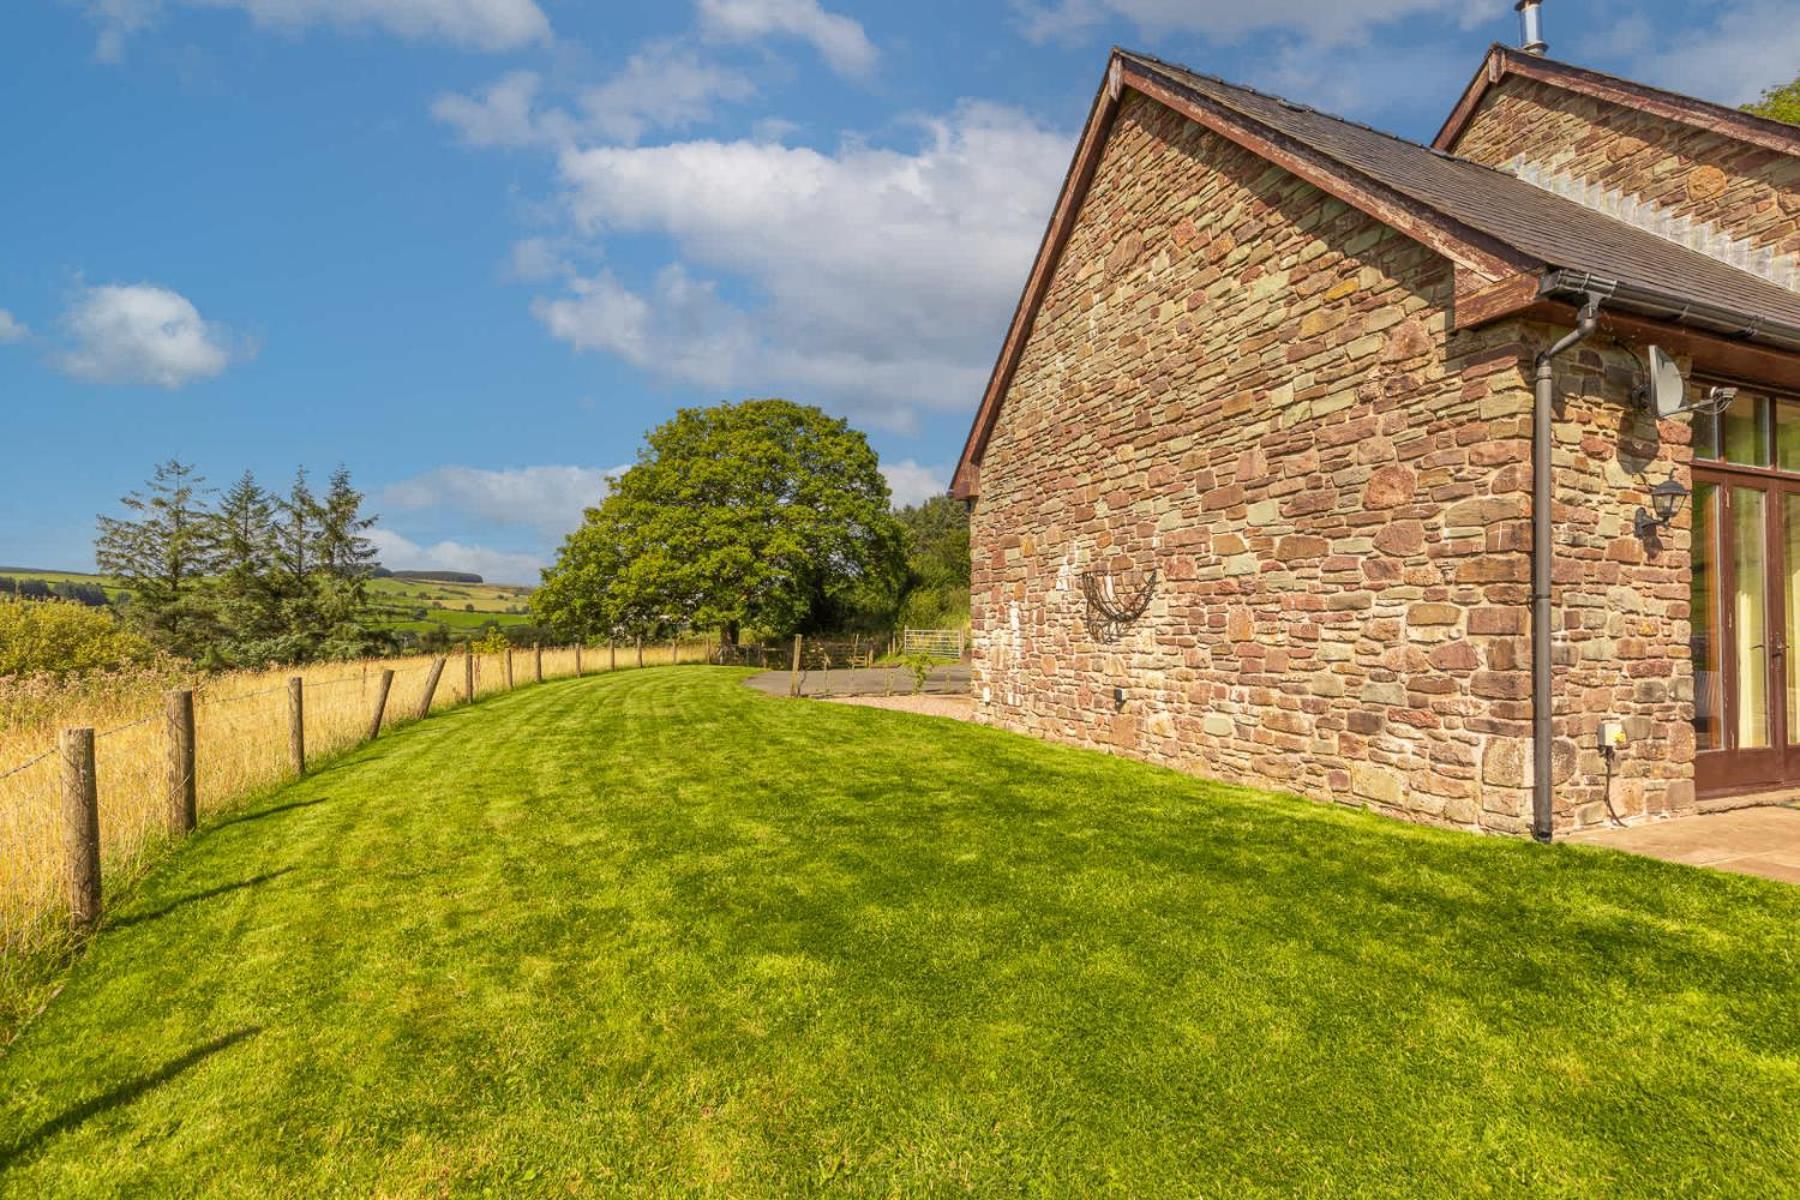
x=243 y=746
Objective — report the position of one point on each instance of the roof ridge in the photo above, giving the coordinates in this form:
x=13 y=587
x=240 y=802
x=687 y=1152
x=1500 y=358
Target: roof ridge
x=1445 y=155
x=1174 y=70
x=1734 y=111
x=1292 y=103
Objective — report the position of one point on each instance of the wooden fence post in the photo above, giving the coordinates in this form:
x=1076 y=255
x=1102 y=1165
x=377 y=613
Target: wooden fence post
x=578 y=660
x=509 y=668
x=640 y=645
x=81 y=828
x=381 y=695
x=178 y=711
x=674 y=651
x=537 y=654
x=468 y=671
x=794 y=675
x=431 y=682
x=297 y=724
x=612 y=656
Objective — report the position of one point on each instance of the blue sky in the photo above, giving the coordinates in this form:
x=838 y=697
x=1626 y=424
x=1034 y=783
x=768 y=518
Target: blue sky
x=473 y=249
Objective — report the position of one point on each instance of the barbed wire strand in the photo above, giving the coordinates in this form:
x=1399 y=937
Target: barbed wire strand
x=26 y=765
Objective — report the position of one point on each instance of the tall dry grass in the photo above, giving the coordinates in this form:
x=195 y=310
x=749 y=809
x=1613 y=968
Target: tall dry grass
x=241 y=727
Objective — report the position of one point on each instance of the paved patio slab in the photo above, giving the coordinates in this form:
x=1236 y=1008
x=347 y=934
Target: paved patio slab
x=1750 y=841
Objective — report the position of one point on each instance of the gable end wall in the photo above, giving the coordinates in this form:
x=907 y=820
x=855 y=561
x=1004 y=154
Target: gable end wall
x=1696 y=177
x=1245 y=385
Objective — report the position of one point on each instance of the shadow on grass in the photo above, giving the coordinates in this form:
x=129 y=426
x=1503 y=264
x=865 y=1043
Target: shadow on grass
x=122 y=1095
x=276 y=811
x=197 y=897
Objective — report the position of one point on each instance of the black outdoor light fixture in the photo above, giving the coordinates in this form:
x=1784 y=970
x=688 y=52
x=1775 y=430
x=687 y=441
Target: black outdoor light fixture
x=1666 y=499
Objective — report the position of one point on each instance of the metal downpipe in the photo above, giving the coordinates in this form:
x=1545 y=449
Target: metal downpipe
x=1543 y=404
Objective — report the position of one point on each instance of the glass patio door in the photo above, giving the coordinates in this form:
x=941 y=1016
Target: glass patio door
x=1746 y=597
x=1746 y=592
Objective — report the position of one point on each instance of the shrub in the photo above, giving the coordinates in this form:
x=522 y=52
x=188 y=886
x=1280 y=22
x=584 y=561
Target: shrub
x=60 y=636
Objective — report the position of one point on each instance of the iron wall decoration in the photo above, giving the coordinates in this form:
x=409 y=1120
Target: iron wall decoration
x=1109 y=612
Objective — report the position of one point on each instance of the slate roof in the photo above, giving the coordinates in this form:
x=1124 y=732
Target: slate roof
x=1553 y=232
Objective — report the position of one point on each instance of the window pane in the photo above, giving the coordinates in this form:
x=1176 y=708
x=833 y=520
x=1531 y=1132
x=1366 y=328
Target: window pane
x=1706 y=435
x=1744 y=428
x=1705 y=644
x=1787 y=434
x=1749 y=601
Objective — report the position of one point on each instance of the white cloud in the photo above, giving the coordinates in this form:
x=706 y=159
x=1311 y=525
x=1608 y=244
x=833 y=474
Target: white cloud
x=1748 y=46
x=504 y=114
x=1228 y=20
x=142 y=334
x=839 y=39
x=400 y=553
x=912 y=484
x=880 y=279
x=663 y=86
x=550 y=499
x=11 y=329
x=536 y=259
x=491 y=25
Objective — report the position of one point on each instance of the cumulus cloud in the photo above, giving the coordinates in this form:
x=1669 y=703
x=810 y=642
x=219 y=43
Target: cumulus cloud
x=912 y=484
x=142 y=334
x=550 y=499
x=11 y=329
x=505 y=113
x=400 y=553
x=840 y=40
x=490 y=25
x=1229 y=20
x=663 y=86
x=880 y=278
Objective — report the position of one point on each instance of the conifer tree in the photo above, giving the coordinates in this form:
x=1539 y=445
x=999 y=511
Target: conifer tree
x=162 y=555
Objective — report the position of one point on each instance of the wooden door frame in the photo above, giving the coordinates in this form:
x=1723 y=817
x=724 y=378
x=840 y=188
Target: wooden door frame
x=1730 y=769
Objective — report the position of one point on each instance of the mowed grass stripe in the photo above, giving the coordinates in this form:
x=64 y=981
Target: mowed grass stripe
x=655 y=933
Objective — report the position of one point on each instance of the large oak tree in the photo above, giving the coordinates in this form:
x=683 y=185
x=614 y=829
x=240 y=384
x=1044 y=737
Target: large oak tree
x=764 y=514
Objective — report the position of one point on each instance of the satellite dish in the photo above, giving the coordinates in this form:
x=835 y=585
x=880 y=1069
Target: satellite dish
x=1668 y=390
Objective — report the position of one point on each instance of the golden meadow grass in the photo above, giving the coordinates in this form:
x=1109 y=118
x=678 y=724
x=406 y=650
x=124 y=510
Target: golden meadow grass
x=241 y=727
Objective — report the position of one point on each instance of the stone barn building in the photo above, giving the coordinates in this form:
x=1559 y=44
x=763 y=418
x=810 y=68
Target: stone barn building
x=1268 y=483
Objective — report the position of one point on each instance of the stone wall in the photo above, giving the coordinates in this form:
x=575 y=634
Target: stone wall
x=1620 y=637
x=1701 y=188
x=1239 y=382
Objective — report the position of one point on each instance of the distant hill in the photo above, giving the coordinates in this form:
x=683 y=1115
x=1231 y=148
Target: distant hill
x=430 y=576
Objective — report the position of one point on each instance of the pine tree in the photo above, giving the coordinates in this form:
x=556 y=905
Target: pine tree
x=163 y=555
x=345 y=561
x=297 y=520
x=249 y=598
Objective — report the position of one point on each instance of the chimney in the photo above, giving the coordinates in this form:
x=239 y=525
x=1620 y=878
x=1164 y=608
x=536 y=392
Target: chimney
x=1532 y=23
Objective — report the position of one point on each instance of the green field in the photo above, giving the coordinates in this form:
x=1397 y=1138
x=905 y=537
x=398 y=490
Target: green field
x=687 y=939
x=396 y=600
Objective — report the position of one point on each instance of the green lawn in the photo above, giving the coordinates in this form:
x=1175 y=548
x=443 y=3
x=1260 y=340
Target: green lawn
x=657 y=934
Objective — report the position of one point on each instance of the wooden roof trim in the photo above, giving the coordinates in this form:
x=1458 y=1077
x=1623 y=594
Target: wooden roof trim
x=1502 y=61
x=1469 y=250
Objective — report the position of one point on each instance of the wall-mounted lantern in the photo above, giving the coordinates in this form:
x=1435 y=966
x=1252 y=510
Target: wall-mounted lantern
x=1666 y=499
